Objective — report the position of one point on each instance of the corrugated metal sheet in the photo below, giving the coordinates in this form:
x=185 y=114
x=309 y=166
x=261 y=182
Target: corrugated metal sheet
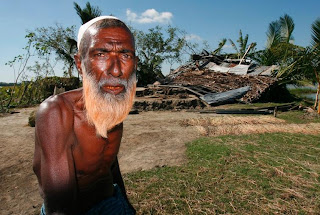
x=239 y=69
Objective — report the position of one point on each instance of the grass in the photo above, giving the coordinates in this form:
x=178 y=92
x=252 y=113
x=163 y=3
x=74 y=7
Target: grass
x=299 y=117
x=249 y=105
x=301 y=91
x=300 y=95
x=276 y=173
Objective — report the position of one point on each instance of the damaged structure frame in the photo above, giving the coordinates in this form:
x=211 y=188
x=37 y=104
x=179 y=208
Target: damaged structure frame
x=208 y=80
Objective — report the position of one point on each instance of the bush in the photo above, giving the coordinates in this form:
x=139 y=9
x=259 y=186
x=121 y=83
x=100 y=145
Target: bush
x=32 y=119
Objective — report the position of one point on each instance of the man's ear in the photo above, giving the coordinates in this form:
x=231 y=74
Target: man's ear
x=78 y=63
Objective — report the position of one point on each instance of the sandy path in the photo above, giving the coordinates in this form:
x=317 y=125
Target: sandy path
x=154 y=139
x=18 y=184
x=150 y=139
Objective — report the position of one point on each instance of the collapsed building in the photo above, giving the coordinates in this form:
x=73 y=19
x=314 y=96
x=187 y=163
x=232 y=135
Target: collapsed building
x=208 y=80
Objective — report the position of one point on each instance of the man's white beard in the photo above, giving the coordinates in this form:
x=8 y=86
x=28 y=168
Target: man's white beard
x=105 y=110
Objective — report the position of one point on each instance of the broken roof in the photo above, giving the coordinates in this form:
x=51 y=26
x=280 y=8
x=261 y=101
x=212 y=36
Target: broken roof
x=222 y=82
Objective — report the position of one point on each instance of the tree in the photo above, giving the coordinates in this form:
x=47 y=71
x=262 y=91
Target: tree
x=57 y=41
x=19 y=66
x=153 y=48
x=244 y=47
x=305 y=63
x=87 y=13
x=217 y=51
x=273 y=34
x=315 y=35
x=279 y=48
x=280 y=31
x=286 y=29
x=315 y=57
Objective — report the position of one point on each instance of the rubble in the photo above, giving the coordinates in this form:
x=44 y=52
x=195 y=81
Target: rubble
x=221 y=75
x=220 y=82
x=159 y=97
x=208 y=80
x=225 y=97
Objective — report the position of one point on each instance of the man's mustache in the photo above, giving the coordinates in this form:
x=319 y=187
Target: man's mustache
x=112 y=81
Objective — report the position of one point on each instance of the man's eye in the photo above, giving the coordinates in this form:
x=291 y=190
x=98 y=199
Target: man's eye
x=126 y=56
x=100 y=54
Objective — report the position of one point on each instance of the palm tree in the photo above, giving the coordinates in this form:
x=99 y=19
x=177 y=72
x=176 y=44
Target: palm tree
x=56 y=39
x=287 y=27
x=315 y=44
x=305 y=66
x=279 y=47
x=273 y=34
x=217 y=51
x=244 y=47
x=87 y=13
x=315 y=35
x=67 y=55
x=280 y=31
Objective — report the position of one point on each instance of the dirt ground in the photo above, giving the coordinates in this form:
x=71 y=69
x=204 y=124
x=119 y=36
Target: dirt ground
x=150 y=139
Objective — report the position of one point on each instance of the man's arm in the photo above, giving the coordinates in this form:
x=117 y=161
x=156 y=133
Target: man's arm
x=117 y=178
x=53 y=161
x=115 y=135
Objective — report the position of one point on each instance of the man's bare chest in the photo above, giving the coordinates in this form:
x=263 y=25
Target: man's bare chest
x=92 y=154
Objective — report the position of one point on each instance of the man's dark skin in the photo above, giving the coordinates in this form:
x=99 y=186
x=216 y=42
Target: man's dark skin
x=75 y=167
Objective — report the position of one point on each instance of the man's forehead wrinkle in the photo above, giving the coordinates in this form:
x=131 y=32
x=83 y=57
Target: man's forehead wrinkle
x=90 y=38
x=110 y=42
x=96 y=45
x=112 y=29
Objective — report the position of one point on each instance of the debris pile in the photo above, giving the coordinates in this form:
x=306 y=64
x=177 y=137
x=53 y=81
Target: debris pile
x=208 y=80
x=220 y=75
x=219 y=82
x=165 y=97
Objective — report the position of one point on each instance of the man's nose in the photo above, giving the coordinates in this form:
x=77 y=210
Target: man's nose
x=114 y=68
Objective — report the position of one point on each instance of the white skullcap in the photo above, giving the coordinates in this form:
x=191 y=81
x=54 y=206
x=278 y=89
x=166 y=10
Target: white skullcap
x=86 y=25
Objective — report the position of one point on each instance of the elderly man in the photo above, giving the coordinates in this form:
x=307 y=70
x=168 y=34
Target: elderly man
x=78 y=133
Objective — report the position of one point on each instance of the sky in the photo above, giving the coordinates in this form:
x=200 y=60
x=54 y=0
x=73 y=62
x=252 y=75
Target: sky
x=208 y=20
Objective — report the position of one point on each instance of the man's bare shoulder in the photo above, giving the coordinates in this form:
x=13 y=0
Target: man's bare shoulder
x=59 y=105
x=56 y=116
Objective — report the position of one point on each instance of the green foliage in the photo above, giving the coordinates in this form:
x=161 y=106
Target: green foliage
x=299 y=91
x=87 y=13
x=154 y=47
x=19 y=67
x=250 y=174
x=287 y=57
x=297 y=64
x=58 y=41
x=280 y=31
x=273 y=34
x=250 y=105
x=33 y=92
x=303 y=66
x=279 y=49
x=287 y=27
x=311 y=60
x=244 y=47
x=298 y=117
x=217 y=51
x=5 y=93
x=315 y=48
x=283 y=54
x=6 y=84
x=315 y=34
x=32 y=119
